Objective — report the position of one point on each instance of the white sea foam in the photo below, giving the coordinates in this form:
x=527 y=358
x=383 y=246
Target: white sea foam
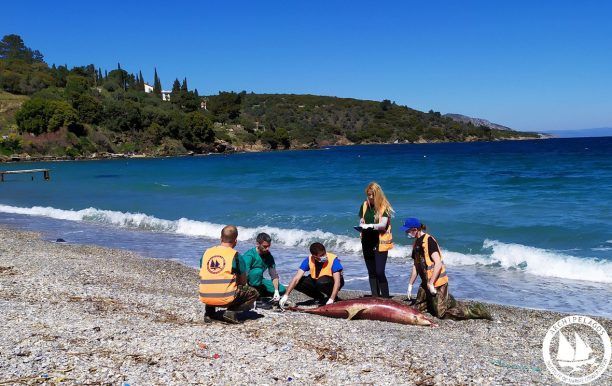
x=537 y=261
x=358 y=278
x=528 y=259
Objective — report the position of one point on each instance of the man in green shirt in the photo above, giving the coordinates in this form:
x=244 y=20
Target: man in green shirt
x=259 y=259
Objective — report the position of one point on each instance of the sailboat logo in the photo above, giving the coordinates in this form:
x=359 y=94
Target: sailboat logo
x=574 y=357
x=215 y=264
x=577 y=362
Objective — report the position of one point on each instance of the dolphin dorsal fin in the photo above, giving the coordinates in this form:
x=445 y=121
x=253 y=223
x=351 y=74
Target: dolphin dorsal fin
x=354 y=311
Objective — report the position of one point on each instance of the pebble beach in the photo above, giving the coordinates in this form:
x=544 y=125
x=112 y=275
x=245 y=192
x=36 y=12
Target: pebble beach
x=74 y=314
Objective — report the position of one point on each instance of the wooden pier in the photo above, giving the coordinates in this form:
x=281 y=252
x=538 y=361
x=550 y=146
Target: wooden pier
x=45 y=172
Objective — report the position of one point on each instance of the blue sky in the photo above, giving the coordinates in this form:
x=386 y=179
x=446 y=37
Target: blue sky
x=530 y=65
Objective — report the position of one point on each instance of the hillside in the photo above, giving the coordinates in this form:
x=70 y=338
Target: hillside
x=83 y=112
x=476 y=121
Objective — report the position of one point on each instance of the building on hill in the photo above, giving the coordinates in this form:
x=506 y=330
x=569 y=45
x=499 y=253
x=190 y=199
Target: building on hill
x=165 y=94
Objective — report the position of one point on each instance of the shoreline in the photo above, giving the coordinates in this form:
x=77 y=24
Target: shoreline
x=89 y=314
x=236 y=150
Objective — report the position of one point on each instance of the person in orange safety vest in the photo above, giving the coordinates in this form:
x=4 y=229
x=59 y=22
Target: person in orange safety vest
x=324 y=279
x=223 y=281
x=433 y=294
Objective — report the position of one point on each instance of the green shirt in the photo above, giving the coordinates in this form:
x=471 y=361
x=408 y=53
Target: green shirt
x=238 y=265
x=370 y=214
x=252 y=259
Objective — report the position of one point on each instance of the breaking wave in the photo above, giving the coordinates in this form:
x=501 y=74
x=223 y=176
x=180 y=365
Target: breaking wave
x=494 y=254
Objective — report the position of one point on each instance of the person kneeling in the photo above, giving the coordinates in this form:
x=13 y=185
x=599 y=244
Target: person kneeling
x=325 y=279
x=433 y=294
x=258 y=260
x=223 y=281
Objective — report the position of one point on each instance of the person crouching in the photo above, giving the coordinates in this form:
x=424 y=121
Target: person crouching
x=223 y=281
x=325 y=279
x=433 y=295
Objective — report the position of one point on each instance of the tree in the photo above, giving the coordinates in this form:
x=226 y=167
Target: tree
x=226 y=106
x=385 y=105
x=176 y=87
x=13 y=47
x=38 y=116
x=140 y=81
x=157 y=88
x=120 y=77
x=198 y=130
x=184 y=85
x=76 y=85
x=89 y=108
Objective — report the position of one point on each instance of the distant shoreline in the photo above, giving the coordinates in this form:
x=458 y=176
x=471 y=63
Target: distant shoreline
x=235 y=150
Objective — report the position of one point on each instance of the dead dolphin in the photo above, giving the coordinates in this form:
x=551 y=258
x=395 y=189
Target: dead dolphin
x=386 y=310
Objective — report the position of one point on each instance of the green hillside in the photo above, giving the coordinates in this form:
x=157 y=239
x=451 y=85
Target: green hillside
x=85 y=112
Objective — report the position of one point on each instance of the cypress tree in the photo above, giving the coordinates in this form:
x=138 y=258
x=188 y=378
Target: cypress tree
x=176 y=87
x=140 y=81
x=184 y=85
x=156 y=84
x=100 y=77
x=105 y=75
x=195 y=92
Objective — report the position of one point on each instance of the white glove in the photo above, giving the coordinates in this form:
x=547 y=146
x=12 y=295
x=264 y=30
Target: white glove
x=367 y=226
x=276 y=296
x=432 y=289
x=283 y=300
x=409 y=291
x=329 y=301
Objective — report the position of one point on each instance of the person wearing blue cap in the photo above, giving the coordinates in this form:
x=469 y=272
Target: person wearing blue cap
x=433 y=294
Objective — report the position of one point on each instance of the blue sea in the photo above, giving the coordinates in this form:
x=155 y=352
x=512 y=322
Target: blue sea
x=525 y=223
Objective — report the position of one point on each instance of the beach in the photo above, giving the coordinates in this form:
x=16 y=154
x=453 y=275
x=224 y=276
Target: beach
x=91 y=315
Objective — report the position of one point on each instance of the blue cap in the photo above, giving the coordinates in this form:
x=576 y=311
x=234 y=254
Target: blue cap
x=411 y=223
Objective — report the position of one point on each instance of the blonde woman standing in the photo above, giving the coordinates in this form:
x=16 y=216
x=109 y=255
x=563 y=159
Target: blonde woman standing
x=376 y=240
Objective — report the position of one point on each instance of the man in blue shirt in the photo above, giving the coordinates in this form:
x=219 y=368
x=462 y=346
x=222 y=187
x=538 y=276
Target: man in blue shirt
x=325 y=278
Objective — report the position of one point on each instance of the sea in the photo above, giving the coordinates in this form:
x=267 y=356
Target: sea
x=523 y=223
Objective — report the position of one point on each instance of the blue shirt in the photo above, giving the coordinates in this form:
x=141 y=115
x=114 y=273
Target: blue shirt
x=336 y=267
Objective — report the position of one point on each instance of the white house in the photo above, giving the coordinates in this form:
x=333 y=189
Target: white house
x=165 y=94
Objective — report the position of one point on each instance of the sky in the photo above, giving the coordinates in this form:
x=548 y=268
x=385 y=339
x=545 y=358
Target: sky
x=529 y=65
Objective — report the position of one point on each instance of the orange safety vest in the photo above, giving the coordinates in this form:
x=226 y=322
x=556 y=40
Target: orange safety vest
x=385 y=238
x=429 y=264
x=217 y=282
x=326 y=270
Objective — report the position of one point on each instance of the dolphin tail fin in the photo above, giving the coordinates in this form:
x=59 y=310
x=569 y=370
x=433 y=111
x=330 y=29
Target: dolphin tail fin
x=353 y=311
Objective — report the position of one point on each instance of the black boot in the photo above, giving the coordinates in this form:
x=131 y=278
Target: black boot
x=384 y=289
x=374 y=286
